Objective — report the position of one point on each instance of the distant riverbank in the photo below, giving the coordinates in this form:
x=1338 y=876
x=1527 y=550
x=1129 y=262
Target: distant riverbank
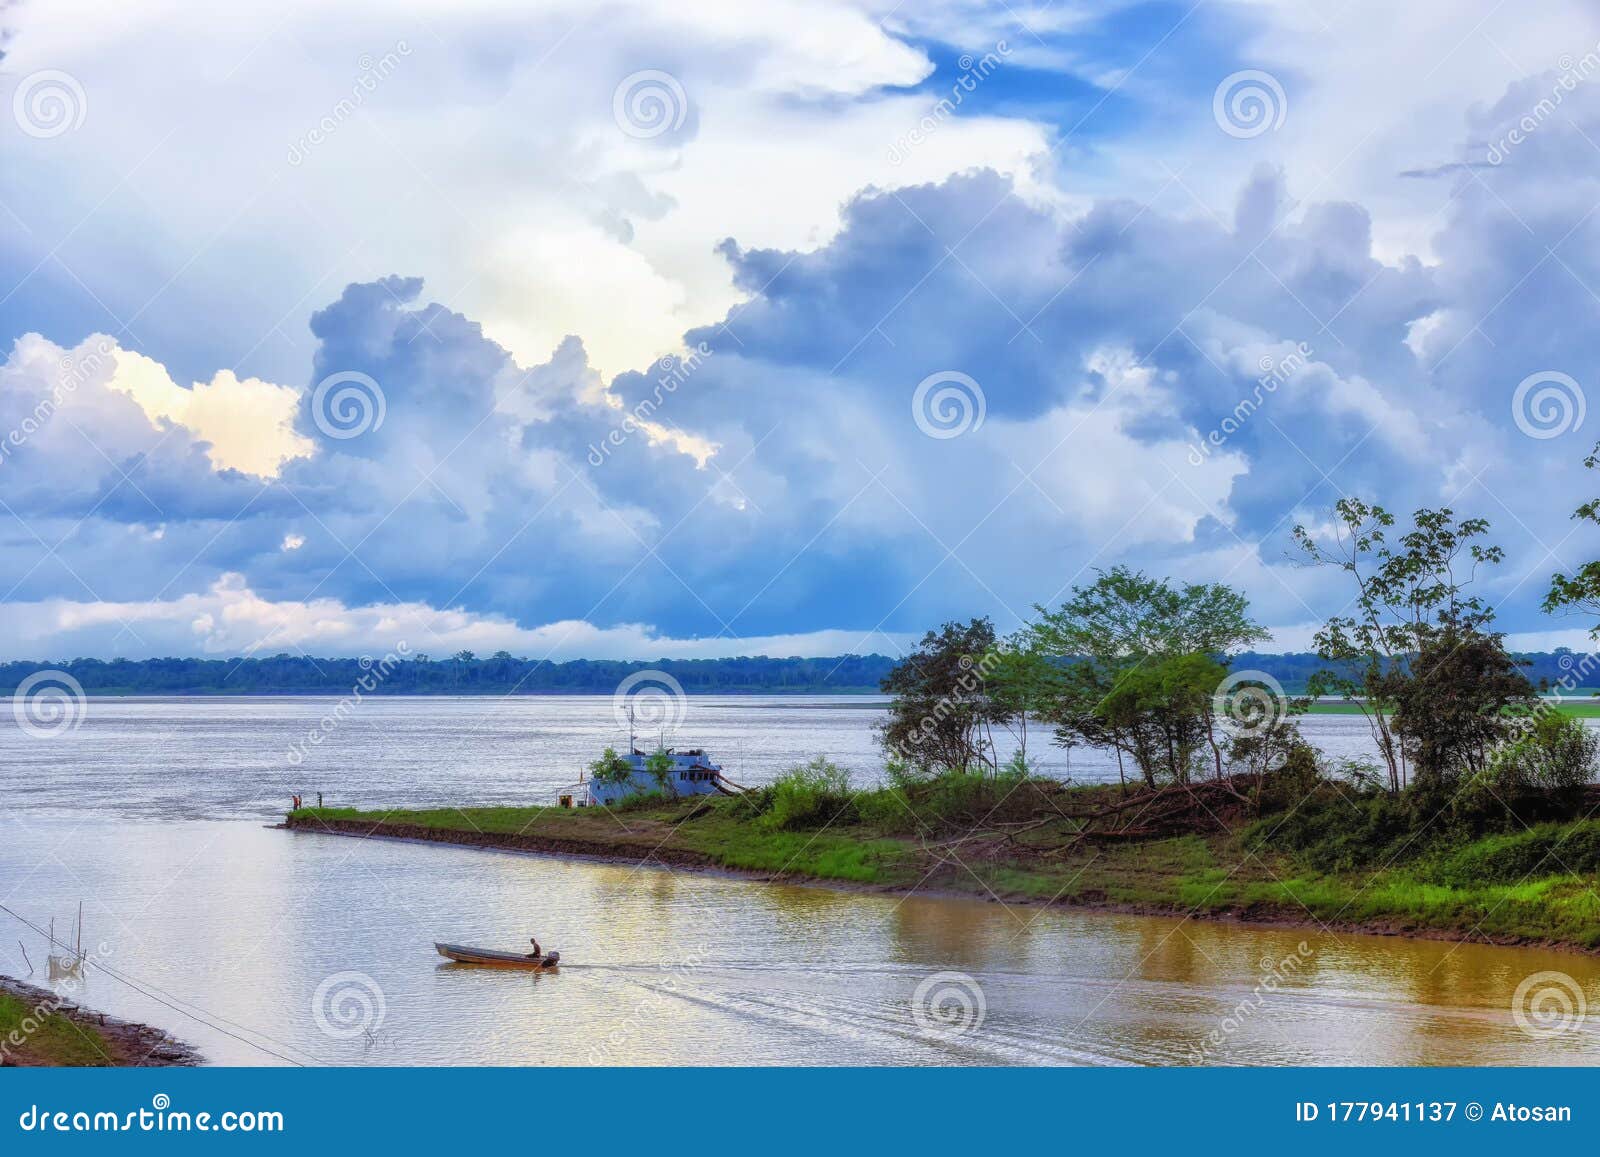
x=466 y=674
x=1500 y=889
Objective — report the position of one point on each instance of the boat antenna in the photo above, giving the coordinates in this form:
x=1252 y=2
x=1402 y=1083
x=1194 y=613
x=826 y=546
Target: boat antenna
x=630 y=729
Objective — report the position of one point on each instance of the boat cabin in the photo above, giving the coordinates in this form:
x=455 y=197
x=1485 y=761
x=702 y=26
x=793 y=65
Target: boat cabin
x=692 y=773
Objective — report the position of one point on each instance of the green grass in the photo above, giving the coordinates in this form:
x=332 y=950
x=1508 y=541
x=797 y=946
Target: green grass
x=54 y=1039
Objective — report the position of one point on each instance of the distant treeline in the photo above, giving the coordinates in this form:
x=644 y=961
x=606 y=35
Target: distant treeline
x=502 y=673
x=461 y=674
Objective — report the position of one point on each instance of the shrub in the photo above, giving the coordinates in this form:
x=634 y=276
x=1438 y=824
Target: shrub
x=1295 y=778
x=1546 y=850
x=888 y=810
x=643 y=799
x=1335 y=830
x=807 y=796
x=1556 y=754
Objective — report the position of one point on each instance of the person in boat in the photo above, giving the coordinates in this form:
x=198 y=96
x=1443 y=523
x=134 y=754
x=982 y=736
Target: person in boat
x=536 y=953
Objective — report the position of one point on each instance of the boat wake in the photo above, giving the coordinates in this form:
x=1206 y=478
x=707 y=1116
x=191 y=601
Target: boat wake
x=879 y=1023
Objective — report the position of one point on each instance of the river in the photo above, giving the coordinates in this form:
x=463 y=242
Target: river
x=214 y=758
x=263 y=946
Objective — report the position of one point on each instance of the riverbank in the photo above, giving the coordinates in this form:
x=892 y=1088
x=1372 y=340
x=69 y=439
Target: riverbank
x=41 y=1028
x=1500 y=890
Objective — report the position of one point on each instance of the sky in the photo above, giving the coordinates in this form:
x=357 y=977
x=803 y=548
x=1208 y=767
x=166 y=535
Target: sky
x=651 y=330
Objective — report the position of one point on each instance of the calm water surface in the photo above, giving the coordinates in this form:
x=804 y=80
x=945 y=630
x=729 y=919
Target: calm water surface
x=226 y=758
x=257 y=944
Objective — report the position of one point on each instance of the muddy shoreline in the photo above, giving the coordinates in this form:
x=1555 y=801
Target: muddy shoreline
x=682 y=859
x=128 y=1044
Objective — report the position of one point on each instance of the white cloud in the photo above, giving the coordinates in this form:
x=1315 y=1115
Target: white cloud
x=487 y=159
x=248 y=424
x=232 y=620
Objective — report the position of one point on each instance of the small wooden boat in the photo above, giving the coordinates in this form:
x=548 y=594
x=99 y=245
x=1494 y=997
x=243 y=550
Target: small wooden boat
x=490 y=958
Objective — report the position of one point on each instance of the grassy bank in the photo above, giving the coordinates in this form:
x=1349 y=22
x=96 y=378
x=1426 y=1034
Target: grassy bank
x=41 y=1028
x=1343 y=862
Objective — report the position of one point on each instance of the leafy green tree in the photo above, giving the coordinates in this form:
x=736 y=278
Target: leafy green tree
x=1160 y=711
x=611 y=768
x=941 y=716
x=1024 y=684
x=1407 y=594
x=1125 y=615
x=1139 y=661
x=1456 y=702
x=659 y=764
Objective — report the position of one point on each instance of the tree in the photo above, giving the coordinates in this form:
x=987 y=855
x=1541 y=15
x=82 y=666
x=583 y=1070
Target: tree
x=1125 y=615
x=611 y=768
x=1407 y=594
x=659 y=765
x=941 y=715
x=1140 y=661
x=1457 y=703
x=1023 y=683
x=1159 y=712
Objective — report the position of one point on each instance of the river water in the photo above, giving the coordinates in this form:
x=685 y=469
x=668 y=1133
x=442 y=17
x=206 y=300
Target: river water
x=263 y=946
x=212 y=758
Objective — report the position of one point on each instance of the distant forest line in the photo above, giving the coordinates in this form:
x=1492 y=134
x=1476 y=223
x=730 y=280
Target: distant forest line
x=502 y=673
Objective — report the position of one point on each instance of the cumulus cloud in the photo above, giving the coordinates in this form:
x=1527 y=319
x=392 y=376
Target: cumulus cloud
x=1156 y=380
x=248 y=425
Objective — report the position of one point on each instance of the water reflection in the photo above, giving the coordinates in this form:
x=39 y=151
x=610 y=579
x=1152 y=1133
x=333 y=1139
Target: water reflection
x=248 y=929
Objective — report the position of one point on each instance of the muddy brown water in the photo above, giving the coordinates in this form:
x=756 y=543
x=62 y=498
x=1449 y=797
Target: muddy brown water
x=263 y=946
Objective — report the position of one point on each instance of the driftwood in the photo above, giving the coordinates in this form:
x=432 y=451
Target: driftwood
x=1146 y=813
